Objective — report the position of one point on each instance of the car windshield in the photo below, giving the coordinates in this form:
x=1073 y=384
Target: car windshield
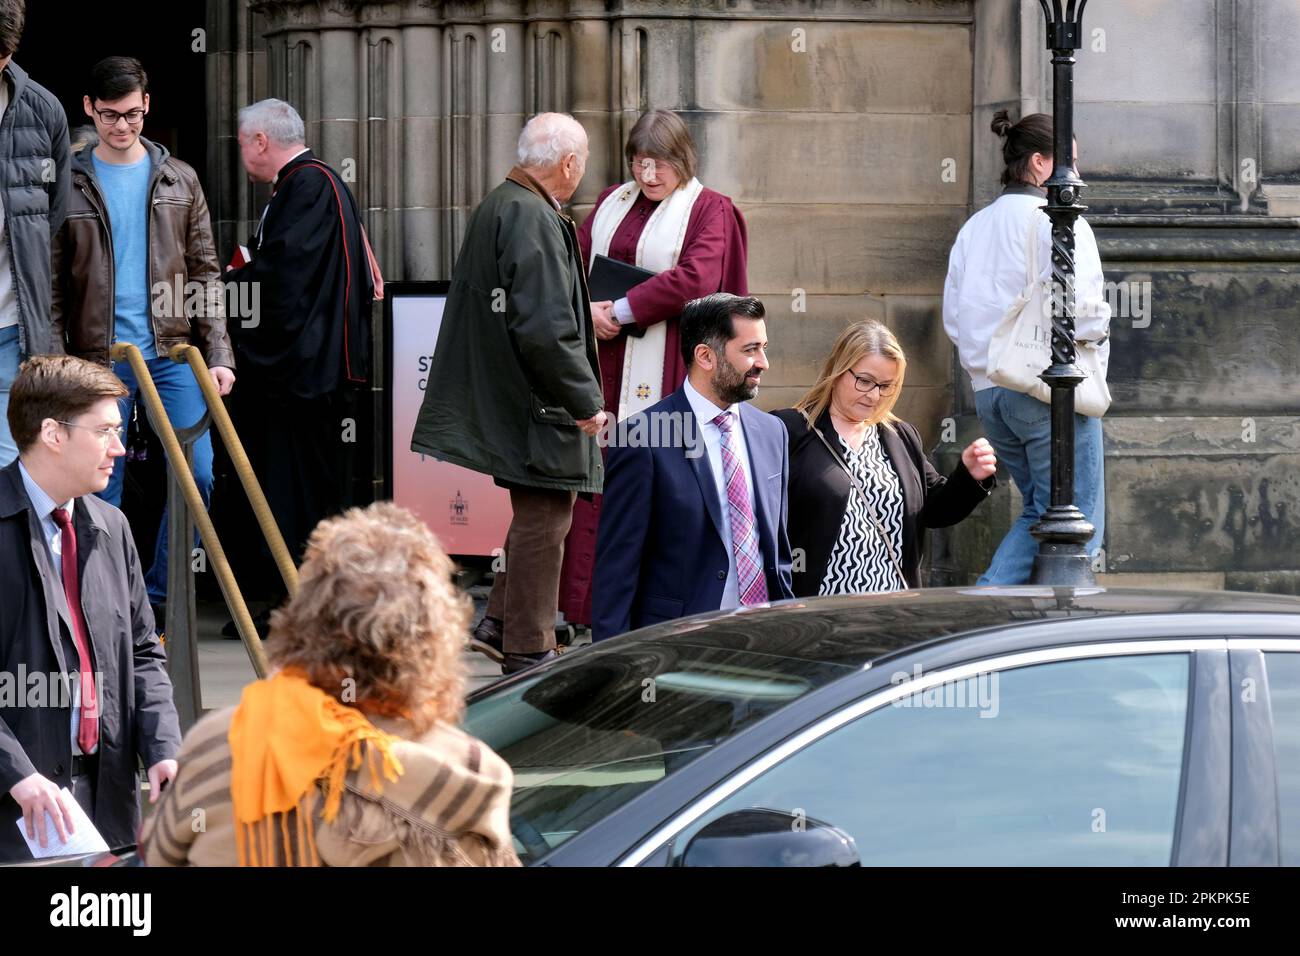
x=592 y=732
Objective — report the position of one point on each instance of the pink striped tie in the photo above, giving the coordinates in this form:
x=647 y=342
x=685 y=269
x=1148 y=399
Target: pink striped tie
x=744 y=534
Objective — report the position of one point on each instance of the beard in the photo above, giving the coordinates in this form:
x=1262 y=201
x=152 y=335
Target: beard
x=732 y=386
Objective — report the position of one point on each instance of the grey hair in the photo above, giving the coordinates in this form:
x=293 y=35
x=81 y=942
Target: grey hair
x=547 y=138
x=277 y=119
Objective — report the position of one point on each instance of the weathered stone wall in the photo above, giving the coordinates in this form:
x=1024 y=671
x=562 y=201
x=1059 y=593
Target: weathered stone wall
x=237 y=76
x=1187 y=114
x=840 y=127
x=854 y=135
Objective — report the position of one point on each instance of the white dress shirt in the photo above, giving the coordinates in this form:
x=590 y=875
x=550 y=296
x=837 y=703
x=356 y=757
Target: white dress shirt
x=53 y=536
x=705 y=411
x=45 y=506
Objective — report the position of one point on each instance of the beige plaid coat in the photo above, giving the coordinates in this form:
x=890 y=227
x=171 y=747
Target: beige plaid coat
x=450 y=807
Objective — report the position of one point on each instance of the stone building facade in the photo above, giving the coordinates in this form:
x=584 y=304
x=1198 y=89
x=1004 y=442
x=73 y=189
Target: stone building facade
x=854 y=135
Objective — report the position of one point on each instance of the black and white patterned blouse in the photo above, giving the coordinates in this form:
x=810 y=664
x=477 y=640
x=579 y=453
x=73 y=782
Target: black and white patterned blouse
x=860 y=561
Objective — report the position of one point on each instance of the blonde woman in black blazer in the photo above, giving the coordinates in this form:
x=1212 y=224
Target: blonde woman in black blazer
x=861 y=489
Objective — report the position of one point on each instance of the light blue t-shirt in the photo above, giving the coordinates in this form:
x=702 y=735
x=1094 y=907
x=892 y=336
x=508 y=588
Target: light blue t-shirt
x=126 y=192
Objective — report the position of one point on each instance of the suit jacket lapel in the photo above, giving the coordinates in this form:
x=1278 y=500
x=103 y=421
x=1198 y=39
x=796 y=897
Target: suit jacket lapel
x=761 y=457
x=909 y=480
x=896 y=450
x=13 y=499
x=56 y=603
x=88 y=533
x=700 y=463
x=827 y=428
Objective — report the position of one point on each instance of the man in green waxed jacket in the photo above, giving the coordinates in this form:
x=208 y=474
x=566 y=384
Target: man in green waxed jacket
x=514 y=386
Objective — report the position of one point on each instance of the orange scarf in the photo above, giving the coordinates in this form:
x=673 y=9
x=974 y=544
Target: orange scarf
x=285 y=737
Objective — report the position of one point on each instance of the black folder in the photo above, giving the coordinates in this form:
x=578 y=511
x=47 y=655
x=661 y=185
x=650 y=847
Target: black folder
x=611 y=279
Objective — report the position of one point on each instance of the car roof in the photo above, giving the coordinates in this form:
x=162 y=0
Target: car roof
x=854 y=630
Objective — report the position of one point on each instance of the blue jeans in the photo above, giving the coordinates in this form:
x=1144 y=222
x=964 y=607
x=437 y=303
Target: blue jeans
x=1020 y=430
x=185 y=406
x=8 y=372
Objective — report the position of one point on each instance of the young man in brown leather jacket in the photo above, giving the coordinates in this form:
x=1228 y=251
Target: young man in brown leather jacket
x=135 y=262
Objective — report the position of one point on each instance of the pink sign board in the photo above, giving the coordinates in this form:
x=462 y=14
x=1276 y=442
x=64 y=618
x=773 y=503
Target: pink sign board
x=469 y=514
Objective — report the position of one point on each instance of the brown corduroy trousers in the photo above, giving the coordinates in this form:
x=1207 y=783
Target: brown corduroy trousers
x=525 y=594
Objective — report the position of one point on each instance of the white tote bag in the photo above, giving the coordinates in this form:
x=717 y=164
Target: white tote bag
x=1021 y=346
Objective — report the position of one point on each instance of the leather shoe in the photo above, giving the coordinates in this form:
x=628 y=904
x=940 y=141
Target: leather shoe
x=514 y=663
x=487 y=640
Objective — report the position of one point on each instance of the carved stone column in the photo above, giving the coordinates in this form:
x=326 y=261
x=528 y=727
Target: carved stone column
x=236 y=77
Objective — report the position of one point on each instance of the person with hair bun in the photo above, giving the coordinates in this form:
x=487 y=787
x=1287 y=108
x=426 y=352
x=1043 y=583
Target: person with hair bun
x=986 y=274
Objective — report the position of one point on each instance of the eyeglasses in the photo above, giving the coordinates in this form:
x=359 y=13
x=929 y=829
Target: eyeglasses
x=864 y=384
x=110 y=117
x=106 y=434
x=648 y=166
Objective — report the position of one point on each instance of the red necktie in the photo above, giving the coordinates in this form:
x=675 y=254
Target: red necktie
x=88 y=729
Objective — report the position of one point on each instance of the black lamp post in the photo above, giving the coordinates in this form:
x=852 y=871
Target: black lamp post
x=1063 y=531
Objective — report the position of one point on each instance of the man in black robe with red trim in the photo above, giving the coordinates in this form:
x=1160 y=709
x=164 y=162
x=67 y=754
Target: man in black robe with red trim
x=304 y=351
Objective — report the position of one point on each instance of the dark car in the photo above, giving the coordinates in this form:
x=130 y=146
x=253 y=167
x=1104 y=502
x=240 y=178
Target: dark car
x=985 y=726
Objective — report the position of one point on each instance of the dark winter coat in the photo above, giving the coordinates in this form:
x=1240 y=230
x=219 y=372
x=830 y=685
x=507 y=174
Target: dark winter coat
x=311 y=289
x=34 y=184
x=515 y=366
x=138 y=722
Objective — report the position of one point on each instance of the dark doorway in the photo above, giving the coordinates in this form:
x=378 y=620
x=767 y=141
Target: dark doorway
x=64 y=39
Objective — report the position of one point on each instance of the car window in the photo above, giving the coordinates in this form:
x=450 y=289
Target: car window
x=590 y=733
x=1284 y=692
x=1076 y=763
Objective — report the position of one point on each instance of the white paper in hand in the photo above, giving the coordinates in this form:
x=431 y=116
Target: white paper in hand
x=85 y=840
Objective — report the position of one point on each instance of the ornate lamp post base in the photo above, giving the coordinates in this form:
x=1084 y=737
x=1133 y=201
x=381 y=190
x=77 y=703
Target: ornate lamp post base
x=1064 y=531
x=1063 y=534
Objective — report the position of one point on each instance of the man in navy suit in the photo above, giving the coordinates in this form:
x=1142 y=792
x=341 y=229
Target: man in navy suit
x=696 y=523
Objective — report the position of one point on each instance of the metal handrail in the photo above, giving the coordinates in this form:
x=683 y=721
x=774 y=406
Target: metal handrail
x=180 y=470
x=235 y=448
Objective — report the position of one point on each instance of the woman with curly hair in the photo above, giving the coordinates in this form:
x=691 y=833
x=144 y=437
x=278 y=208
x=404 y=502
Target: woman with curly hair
x=347 y=754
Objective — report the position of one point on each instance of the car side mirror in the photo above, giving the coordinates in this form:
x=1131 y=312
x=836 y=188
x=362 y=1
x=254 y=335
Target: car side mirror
x=761 y=837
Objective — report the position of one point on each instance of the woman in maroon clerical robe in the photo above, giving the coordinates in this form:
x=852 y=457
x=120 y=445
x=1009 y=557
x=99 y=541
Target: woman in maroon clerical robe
x=665 y=221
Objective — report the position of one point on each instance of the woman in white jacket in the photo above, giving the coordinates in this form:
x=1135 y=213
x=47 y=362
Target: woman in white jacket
x=986 y=272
